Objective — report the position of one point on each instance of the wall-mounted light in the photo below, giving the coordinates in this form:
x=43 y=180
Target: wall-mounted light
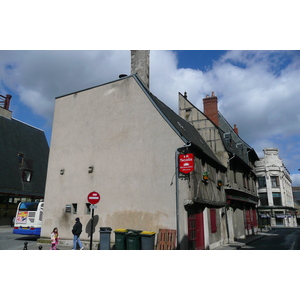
x=91 y=169
x=220 y=183
x=205 y=177
x=62 y=171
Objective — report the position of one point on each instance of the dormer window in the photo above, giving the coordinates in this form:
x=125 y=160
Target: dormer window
x=227 y=135
x=27 y=175
x=21 y=158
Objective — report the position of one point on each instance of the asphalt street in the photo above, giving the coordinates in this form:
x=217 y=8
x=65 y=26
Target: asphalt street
x=10 y=241
x=277 y=239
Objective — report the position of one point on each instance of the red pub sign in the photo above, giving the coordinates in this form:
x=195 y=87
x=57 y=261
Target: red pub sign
x=186 y=163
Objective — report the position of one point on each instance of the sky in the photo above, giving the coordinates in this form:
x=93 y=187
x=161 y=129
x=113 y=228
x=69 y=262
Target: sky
x=258 y=91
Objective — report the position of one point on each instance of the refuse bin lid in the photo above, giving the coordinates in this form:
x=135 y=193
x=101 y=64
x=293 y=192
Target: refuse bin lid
x=121 y=230
x=105 y=229
x=134 y=230
x=148 y=232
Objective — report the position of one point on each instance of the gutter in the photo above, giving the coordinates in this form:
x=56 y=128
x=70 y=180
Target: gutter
x=178 y=150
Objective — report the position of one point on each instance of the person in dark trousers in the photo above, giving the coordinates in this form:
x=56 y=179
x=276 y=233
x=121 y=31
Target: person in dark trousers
x=77 y=229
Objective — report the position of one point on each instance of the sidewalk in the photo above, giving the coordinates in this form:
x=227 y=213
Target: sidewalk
x=63 y=245
x=243 y=243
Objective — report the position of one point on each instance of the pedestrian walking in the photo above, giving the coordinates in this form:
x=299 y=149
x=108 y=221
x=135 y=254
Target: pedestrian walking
x=54 y=239
x=77 y=229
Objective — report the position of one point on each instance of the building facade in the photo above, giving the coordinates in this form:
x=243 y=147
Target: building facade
x=237 y=156
x=120 y=140
x=276 y=205
x=23 y=159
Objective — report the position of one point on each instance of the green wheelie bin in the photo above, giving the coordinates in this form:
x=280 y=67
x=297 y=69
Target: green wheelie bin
x=133 y=239
x=120 y=238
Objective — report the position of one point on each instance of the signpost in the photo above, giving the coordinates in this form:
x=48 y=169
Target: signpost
x=93 y=198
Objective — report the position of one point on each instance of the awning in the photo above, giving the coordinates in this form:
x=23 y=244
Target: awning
x=280 y=216
x=264 y=216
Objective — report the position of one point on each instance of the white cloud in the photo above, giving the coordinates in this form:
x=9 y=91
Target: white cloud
x=295 y=179
x=257 y=90
x=40 y=76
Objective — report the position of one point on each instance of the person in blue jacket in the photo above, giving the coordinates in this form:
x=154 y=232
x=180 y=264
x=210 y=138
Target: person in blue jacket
x=77 y=229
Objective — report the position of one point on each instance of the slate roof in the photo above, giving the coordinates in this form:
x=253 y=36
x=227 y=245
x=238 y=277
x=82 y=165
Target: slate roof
x=184 y=129
x=19 y=138
x=232 y=147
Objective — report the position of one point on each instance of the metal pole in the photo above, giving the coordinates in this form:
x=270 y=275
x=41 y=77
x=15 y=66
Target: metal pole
x=92 y=226
x=188 y=144
x=177 y=201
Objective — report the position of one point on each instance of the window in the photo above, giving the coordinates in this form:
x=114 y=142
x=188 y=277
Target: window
x=246 y=181
x=277 y=199
x=21 y=158
x=263 y=199
x=187 y=113
x=234 y=176
x=261 y=182
x=27 y=174
x=74 y=205
x=25 y=206
x=274 y=181
x=88 y=208
x=227 y=138
x=213 y=220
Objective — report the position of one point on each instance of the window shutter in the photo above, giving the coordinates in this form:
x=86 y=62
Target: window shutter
x=213 y=220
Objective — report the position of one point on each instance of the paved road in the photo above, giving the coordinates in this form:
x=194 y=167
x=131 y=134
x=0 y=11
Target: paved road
x=10 y=241
x=277 y=239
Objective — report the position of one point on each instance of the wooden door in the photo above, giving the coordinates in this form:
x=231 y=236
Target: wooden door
x=195 y=230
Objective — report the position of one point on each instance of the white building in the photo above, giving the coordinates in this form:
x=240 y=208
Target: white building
x=121 y=141
x=276 y=205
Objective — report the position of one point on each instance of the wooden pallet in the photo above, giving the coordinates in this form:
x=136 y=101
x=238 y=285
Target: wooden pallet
x=166 y=239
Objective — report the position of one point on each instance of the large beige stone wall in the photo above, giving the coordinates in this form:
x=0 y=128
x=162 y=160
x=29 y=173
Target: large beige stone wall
x=115 y=129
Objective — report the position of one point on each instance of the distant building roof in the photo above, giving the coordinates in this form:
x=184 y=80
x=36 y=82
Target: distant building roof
x=22 y=147
x=237 y=145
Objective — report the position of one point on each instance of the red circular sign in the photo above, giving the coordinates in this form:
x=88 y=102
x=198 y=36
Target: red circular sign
x=93 y=197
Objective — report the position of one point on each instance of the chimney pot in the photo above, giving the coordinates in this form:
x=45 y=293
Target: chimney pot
x=210 y=105
x=235 y=129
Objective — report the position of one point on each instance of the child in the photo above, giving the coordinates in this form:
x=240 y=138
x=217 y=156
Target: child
x=54 y=239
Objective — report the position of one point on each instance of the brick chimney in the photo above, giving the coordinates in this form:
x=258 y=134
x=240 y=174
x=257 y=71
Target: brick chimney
x=210 y=105
x=235 y=129
x=140 y=64
x=4 y=106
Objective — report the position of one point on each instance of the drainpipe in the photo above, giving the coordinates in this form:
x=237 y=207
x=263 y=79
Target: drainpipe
x=177 y=192
x=226 y=217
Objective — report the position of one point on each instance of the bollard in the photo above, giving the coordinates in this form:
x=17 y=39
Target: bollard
x=25 y=246
x=40 y=247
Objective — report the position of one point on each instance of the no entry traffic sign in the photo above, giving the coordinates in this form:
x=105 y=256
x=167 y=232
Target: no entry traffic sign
x=93 y=197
